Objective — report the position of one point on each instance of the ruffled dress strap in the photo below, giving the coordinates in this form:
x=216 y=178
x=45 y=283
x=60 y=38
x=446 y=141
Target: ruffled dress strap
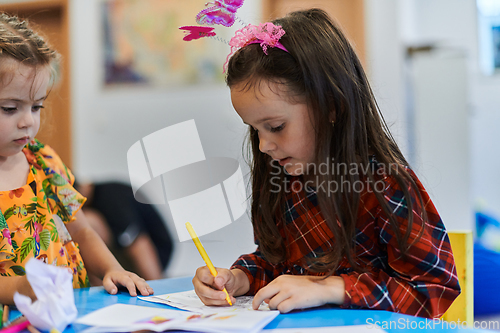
x=64 y=199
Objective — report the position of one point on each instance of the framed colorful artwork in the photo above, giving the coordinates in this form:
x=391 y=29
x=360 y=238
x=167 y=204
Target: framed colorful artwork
x=143 y=45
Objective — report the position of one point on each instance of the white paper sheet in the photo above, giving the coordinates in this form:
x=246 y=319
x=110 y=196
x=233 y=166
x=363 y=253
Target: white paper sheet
x=129 y=318
x=188 y=300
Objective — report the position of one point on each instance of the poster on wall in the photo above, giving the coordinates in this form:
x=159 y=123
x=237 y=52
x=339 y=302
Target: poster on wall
x=143 y=45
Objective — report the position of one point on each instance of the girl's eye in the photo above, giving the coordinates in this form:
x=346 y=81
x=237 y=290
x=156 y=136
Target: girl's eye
x=8 y=109
x=36 y=108
x=278 y=128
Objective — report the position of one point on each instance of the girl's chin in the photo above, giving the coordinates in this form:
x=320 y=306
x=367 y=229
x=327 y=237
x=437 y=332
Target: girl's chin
x=294 y=171
x=13 y=153
x=298 y=170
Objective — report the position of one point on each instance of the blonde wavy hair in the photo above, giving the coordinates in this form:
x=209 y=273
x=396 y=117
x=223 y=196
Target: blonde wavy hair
x=19 y=42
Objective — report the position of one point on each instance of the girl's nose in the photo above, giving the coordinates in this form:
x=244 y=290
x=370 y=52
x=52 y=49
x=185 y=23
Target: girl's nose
x=27 y=119
x=265 y=145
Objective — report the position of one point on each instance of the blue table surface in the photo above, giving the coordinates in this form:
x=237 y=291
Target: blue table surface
x=91 y=299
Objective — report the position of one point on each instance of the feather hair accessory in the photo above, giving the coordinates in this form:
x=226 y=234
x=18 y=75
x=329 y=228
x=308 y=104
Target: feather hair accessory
x=266 y=34
x=223 y=12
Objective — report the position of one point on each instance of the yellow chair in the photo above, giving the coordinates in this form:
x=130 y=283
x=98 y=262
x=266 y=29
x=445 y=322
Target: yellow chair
x=462 y=308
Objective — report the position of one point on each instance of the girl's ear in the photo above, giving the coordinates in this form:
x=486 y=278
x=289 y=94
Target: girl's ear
x=331 y=118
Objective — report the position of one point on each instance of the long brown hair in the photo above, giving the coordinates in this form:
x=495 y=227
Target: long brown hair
x=322 y=67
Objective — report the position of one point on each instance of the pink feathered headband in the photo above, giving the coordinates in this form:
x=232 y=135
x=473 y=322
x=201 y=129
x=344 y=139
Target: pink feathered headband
x=265 y=34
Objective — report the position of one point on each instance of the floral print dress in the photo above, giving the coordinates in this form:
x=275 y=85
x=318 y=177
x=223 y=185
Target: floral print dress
x=33 y=217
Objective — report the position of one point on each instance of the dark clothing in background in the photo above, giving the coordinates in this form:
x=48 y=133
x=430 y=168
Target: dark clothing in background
x=128 y=218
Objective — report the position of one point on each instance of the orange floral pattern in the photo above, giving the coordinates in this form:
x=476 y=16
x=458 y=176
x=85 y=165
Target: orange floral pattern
x=30 y=214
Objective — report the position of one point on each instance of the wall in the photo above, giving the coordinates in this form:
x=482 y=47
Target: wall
x=445 y=160
x=450 y=25
x=384 y=62
x=441 y=117
x=453 y=23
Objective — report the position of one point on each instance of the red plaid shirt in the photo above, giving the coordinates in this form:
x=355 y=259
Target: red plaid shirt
x=425 y=284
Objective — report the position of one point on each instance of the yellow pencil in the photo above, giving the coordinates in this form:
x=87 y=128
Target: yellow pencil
x=204 y=255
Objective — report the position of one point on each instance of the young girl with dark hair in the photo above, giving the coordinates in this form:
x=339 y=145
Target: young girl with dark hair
x=338 y=215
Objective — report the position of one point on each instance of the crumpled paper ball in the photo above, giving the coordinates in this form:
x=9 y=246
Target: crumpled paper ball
x=55 y=305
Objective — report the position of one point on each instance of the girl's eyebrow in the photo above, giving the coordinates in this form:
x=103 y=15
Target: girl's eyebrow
x=266 y=119
x=263 y=120
x=22 y=101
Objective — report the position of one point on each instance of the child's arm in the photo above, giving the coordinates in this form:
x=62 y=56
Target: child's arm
x=209 y=289
x=11 y=284
x=424 y=283
x=99 y=260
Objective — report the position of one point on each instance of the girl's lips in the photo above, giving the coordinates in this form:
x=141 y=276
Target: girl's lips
x=284 y=161
x=22 y=141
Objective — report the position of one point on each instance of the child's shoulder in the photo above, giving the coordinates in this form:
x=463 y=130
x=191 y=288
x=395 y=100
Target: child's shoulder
x=44 y=157
x=392 y=181
x=390 y=172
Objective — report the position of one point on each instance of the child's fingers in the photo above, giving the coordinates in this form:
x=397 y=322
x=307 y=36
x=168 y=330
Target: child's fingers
x=203 y=275
x=119 y=279
x=266 y=293
x=128 y=280
x=24 y=287
x=143 y=286
x=109 y=285
x=285 y=305
x=138 y=283
x=282 y=302
x=222 y=278
x=206 y=293
x=128 y=283
x=212 y=297
x=205 y=288
x=219 y=282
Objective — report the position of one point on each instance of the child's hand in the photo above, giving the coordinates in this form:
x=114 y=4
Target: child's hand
x=288 y=292
x=24 y=287
x=209 y=289
x=120 y=277
x=11 y=284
